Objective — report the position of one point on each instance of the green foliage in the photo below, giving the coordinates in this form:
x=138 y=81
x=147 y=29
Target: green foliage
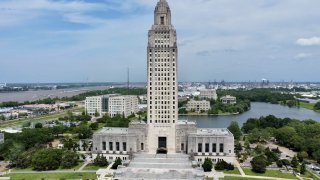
x=38 y=125
x=100 y=160
x=117 y=162
x=235 y=130
x=259 y=164
x=303 y=168
x=279 y=163
x=302 y=155
x=207 y=165
x=240 y=107
x=117 y=121
x=316 y=155
x=83 y=131
x=259 y=95
x=317 y=106
x=285 y=162
x=70 y=144
x=47 y=159
x=69 y=159
x=223 y=165
x=259 y=135
x=294 y=162
x=94 y=126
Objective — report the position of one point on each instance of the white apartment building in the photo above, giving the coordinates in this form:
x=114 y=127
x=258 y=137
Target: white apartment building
x=198 y=106
x=208 y=94
x=125 y=105
x=96 y=104
x=228 y=99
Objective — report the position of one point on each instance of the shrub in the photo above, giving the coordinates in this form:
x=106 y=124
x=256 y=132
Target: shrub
x=116 y=163
x=259 y=164
x=207 y=165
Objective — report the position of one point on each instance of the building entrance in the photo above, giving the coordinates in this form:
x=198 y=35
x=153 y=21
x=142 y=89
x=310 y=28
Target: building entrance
x=162 y=145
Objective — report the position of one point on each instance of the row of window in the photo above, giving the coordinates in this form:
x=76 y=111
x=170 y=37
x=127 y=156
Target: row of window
x=213 y=147
x=163 y=102
x=162 y=93
x=162 y=121
x=157 y=60
x=162 y=88
x=162 y=64
x=117 y=147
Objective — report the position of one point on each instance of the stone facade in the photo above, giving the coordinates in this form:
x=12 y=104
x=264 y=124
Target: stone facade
x=198 y=106
x=228 y=99
x=162 y=132
x=208 y=94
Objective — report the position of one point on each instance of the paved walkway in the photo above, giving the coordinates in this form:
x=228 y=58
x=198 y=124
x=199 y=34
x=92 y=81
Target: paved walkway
x=84 y=165
x=239 y=167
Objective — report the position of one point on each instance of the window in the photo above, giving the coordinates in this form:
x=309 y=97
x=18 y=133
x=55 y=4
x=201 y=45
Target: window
x=117 y=146
x=182 y=147
x=214 y=147
x=104 y=146
x=124 y=146
x=162 y=20
x=142 y=146
x=110 y=146
x=199 y=147
x=207 y=147
x=221 y=147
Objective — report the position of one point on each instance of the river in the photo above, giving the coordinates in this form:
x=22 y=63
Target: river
x=257 y=110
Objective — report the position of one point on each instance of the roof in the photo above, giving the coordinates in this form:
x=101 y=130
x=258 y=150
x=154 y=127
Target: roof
x=214 y=131
x=114 y=130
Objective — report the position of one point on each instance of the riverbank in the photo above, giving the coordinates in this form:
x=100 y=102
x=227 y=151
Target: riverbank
x=206 y=114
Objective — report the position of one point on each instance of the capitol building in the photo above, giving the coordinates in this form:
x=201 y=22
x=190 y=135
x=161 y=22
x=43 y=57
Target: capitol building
x=163 y=132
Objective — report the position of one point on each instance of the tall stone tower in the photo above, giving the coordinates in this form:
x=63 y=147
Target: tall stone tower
x=162 y=82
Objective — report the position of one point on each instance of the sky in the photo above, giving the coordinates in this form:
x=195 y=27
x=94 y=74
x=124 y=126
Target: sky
x=97 y=40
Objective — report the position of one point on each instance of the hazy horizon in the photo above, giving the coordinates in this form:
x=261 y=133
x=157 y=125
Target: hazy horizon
x=96 y=41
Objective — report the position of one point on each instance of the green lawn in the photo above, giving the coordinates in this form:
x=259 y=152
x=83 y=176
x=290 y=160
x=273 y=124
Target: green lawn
x=235 y=171
x=236 y=178
x=31 y=169
x=307 y=105
x=93 y=167
x=270 y=173
x=52 y=176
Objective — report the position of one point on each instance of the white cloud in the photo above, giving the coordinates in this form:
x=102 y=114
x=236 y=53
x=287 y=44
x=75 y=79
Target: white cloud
x=303 y=56
x=314 y=41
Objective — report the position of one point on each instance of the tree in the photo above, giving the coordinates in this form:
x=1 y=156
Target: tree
x=316 y=155
x=303 y=168
x=94 y=126
x=279 y=163
x=317 y=106
x=207 y=165
x=69 y=159
x=294 y=162
x=84 y=132
x=259 y=164
x=100 y=160
x=302 y=155
x=235 y=130
x=38 y=125
x=96 y=114
x=47 y=159
x=285 y=134
x=117 y=162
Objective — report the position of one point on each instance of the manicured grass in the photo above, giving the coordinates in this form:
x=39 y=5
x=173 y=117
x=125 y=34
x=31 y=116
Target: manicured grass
x=270 y=173
x=31 y=169
x=235 y=171
x=52 y=176
x=93 y=167
x=307 y=105
x=75 y=167
x=236 y=178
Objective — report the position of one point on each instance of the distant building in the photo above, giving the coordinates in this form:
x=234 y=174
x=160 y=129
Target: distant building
x=228 y=99
x=198 y=106
x=208 y=94
x=125 y=105
x=1 y=138
x=95 y=104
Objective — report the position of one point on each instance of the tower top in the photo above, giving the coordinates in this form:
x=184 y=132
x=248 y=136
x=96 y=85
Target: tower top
x=162 y=13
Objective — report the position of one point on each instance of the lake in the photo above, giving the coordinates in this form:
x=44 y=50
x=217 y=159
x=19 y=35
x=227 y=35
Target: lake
x=257 y=110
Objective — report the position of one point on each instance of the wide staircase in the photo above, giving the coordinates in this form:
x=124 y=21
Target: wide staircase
x=159 y=166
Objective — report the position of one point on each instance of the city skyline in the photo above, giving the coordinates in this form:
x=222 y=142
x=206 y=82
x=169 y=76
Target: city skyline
x=79 y=41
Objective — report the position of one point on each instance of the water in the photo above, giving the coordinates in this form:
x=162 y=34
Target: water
x=257 y=110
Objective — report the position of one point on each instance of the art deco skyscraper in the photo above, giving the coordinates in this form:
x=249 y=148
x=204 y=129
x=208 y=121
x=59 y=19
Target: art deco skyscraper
x=162 y=81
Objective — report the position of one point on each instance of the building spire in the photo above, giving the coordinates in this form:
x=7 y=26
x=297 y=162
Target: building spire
x=162 y=13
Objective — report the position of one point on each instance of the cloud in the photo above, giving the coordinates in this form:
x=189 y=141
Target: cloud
x=314 y=41
x=303 y=56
